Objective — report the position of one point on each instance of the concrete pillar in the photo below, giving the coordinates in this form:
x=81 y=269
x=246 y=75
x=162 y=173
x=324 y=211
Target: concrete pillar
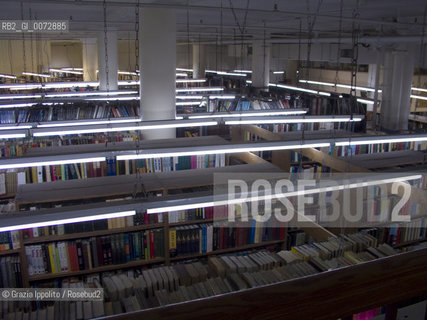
x=372 y=73
x=398 y=74
x=260 y=65
x=112 y=52
x=158 y=63
x=90 y=59
x=199 y=61
x=291 y=67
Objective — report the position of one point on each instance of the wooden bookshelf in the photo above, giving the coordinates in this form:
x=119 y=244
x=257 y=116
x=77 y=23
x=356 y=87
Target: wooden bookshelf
x=131 y=264
x=221 y=251
x=184 y=223
x=11 y=251
x=387 y=159
x=339 y=293
x=113 y=186
x=82 y=235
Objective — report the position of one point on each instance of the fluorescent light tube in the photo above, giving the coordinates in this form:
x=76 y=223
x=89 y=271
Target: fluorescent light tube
x=357 y=88
x=224 y=97
x=19 y=96
x=419 y=89
x=296 y=88
x=127 y=73
x=21 y=86
x=242 y=71
x=249 y=81
x=183 y=69
x=59 y=85
x=16 y=105
x=278 y=72
x=21 y=162
x=113 y=98
x=7 y=76
x=190 y=80
x=380 y=139
x=188 y=97
x=148 y=125
x=69 y=220
x=84 y=123
x=418 y=97
x=88 y=93
x=188 y=103
x=179 y=74
x=12 y=135
x=324 y=93
x=65 y=71
x=318 y=83
x=248 y=114
x=36 y=74
x=313 y=119
x=199 y=89
x=339 y=85
x=365 y=101
x=251 y=147
x=75 y=69
x=15 y=127
x=224 y=73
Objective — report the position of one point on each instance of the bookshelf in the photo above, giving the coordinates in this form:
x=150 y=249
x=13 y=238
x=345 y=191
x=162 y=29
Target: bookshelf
x=53 y=112
x=350 y=290
x=387 y=159
x=96 y=189
x=375 y=277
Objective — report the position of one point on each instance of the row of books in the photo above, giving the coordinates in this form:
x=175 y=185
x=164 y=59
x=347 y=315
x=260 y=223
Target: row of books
x=9 y=240
x=375 y=148
x=401 y=233
x=233 y=272
x=112 y=167
x=94 y=252
x=10 y=272
x=202 y=238
x=9 y=182
x=314 y=171
x=141 y=218
x=329 y=105
x=20 y=147
x=190 y=215
x=217 y=105
x=143 y=289
x=69 y=112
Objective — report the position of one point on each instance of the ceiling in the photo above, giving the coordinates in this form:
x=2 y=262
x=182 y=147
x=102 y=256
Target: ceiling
x=232 y=20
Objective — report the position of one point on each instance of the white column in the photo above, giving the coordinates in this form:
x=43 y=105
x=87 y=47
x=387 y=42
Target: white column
x=158 y=64
x=260 y=65
x=372 y=73
x=398 y=74
x=199 y=61
x=111 y=37
x=90 y=59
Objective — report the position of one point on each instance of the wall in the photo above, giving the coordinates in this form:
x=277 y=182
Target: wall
x=66 y=54
x=12 y=56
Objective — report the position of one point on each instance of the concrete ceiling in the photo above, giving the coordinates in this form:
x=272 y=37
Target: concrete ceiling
x=207 y=20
